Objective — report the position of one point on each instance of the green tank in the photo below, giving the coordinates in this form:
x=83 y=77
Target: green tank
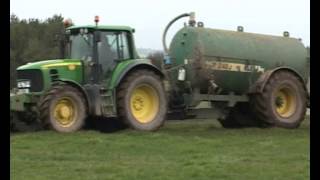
x=233 y=59
x=249 y=79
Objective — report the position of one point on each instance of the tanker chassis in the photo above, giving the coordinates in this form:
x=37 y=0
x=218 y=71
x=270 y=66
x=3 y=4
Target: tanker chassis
x=242 y=79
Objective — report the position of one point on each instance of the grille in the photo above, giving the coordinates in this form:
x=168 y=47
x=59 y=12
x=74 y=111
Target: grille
x=54 y=74
x=35 y=77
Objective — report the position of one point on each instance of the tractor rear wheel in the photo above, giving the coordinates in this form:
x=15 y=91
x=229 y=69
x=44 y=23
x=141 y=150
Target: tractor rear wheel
x=283 y=101
x=142 y=103
x=63 y=109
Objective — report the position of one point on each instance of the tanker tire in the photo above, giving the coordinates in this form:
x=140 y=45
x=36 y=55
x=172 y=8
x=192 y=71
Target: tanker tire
x=127 y=88
x=265 y=104
x=229 y=122
x=57 y=94
x=240 y=116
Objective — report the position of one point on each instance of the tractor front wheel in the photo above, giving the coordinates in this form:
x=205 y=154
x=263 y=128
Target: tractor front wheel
x=63 y=109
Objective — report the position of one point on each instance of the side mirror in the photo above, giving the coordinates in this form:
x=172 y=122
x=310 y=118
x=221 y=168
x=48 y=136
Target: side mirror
x=97 y=36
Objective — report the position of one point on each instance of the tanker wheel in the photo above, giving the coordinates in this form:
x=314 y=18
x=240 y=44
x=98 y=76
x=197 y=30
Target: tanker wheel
x=241 y=116
x=283 y=101
x=63 y=109
x=142 y=103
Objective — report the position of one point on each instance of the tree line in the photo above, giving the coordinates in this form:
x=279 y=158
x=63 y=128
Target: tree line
x=33 y=40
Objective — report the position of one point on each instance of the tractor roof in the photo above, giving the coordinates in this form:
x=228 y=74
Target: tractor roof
x=125 y=28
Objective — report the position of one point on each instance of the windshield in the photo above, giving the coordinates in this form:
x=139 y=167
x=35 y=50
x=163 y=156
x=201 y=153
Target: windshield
x=81 y=46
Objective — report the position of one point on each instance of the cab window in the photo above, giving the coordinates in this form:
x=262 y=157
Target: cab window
x=113 y=46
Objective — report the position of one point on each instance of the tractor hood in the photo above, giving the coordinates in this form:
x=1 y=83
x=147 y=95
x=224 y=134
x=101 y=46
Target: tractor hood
x=51 y=64
x=42 y=73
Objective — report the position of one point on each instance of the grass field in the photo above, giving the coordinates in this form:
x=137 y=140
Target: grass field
x=190 y=149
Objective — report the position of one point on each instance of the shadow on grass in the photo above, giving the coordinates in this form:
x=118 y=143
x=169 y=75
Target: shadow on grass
x=173 y=126
x=104 y=125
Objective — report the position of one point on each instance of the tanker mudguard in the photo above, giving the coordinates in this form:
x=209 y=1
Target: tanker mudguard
x=259 y=85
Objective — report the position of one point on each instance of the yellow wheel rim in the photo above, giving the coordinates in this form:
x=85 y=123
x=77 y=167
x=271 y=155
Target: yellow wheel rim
x=285 y=102
x=64 y=112
x=144 y=103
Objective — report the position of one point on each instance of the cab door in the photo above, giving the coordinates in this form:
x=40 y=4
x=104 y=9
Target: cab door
x=113 y=47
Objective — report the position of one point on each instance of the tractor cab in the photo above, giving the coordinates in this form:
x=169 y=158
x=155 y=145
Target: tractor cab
x=101 y=48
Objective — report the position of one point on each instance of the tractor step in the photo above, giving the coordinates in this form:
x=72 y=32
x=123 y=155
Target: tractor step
x=107 y=105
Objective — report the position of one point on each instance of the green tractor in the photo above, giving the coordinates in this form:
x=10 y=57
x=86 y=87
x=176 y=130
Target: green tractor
x=242 y=79
x=102 y=76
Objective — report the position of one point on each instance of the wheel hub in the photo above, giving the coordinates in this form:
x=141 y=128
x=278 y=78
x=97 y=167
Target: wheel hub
x=285 y=102
x=138 y=103
x=64 y=112
x=144 y=103
x=279 y=101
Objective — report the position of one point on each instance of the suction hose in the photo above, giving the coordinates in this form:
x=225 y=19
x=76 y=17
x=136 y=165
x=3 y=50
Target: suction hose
x=191 y=23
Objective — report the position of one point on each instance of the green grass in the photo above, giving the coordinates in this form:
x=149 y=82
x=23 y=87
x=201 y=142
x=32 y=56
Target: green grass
x=192 y=149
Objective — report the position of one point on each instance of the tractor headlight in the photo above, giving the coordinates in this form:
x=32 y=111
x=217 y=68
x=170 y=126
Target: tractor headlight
x=24 y=84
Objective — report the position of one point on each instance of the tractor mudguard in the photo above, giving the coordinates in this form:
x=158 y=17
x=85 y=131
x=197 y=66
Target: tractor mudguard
x=91 y=94
x=123 y=68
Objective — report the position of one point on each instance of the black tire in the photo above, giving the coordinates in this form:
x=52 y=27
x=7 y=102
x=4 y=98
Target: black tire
x=241 y=116
x=283 y=102
x=13 y=118
x=51 y=106
x=229 y=122
x=19 y=122
x=128 y=113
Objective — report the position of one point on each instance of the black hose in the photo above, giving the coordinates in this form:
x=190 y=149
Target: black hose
x=166 y=30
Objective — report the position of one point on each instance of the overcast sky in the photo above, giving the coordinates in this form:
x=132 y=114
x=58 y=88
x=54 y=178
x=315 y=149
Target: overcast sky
x=149 y=17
